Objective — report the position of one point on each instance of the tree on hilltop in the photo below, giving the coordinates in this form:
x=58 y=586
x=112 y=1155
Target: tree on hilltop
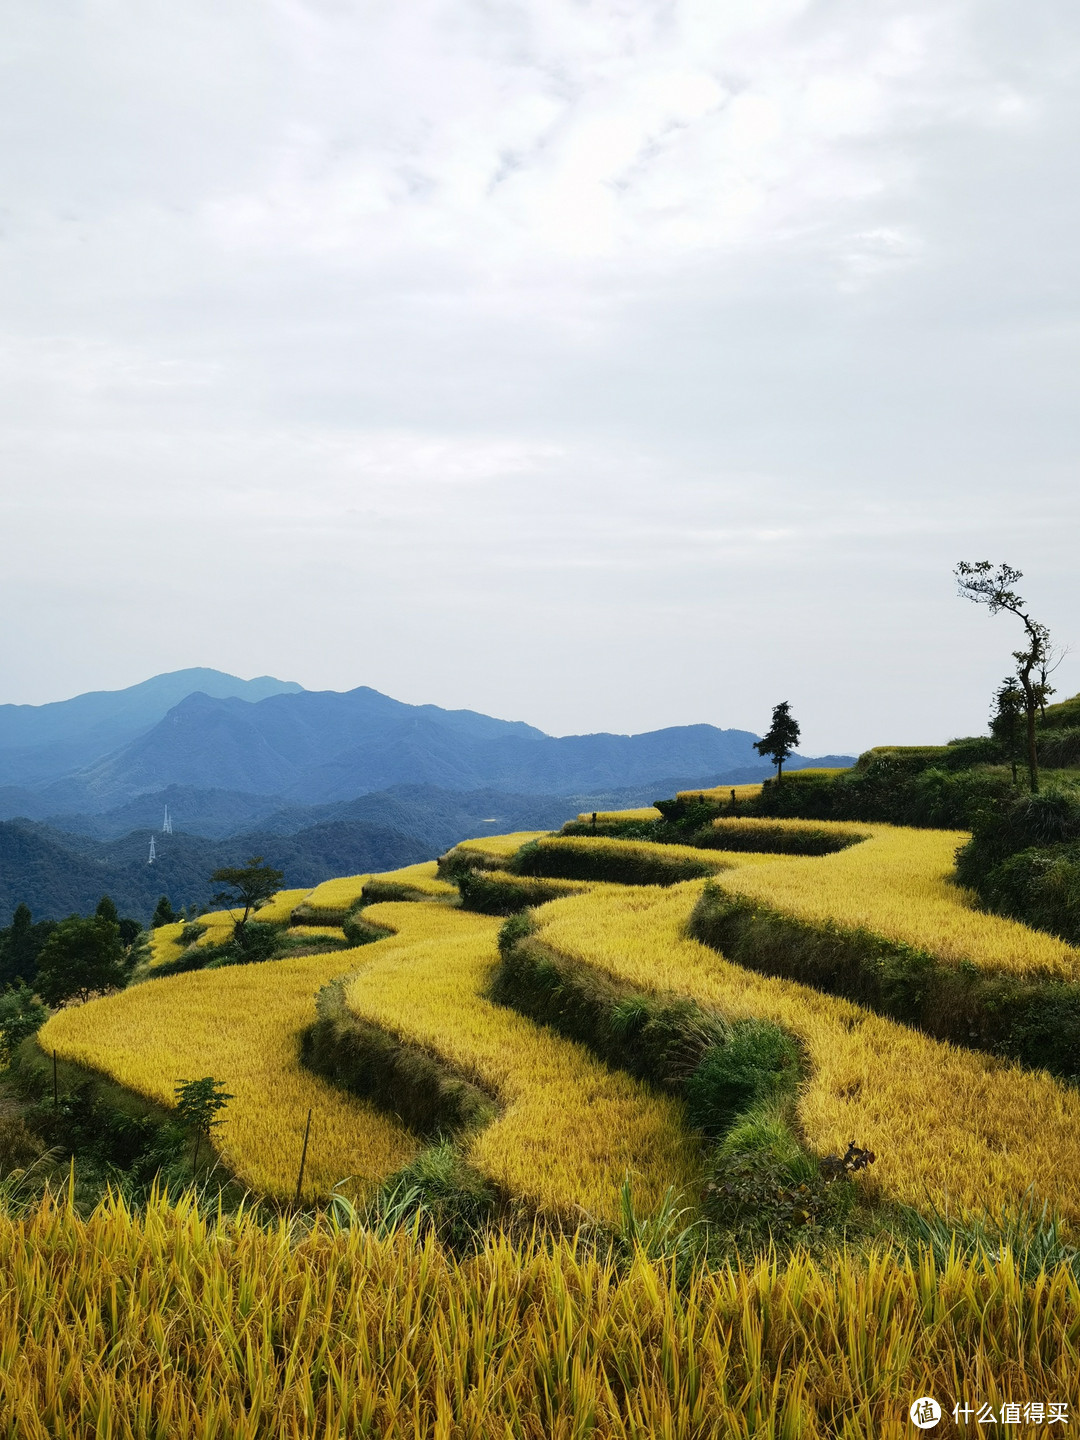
x=250 y=885
x=980 y=583
x=782 y=737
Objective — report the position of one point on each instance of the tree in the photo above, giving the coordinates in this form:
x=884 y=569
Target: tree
x=164 y=914
x=197 y=1106
x=983 y=585
x=1005 y=722
x=782 y=738
x=249 y=885
x=21 y=947
x=106 y=910
x=79 y=959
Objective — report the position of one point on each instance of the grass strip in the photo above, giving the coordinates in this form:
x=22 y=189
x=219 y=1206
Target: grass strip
x=622 y=862
x=1029 y=1018
x=738 y=1080
x=399 y=1077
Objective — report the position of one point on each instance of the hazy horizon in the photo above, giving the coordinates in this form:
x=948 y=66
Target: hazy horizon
x=607 y=366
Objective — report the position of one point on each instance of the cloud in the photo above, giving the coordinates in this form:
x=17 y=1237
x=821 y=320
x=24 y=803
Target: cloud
x=607 y=364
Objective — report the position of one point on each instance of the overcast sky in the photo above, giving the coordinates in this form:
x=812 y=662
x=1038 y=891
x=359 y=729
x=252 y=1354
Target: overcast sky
x=607 y=364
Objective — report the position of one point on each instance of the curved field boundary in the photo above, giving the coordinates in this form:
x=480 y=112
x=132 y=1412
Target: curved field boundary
x=897 y=885
x=949 y=1126
x=242 y=1026
x=617 y=817
x=1029 y=1018
x=411 y=882
x=627 y=862
x=404 y=1079
x=500 y=892
x=278 y=909
x=330 y=902
x=570 y=1129
x=165 y=943
x=489 y=852
x=719 y=793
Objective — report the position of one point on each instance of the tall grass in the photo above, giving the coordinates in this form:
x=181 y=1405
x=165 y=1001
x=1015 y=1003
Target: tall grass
x=178 y=1326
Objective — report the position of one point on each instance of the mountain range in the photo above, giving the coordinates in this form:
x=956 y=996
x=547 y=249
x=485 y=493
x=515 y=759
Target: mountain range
x=322 y=782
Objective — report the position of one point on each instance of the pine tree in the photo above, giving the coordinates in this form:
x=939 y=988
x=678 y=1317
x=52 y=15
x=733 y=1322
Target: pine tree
x=782 y=738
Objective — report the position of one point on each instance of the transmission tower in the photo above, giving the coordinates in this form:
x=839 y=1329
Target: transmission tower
x=153 y=852
x=166 y=829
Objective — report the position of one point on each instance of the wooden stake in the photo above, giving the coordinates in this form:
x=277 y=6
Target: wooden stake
x=303 y=1158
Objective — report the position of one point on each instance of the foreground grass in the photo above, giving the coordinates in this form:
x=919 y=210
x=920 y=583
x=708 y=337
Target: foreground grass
x=174 y=1326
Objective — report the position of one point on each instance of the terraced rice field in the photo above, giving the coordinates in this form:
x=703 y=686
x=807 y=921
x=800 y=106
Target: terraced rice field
x=571 y=1129
x=896 y=884
x=241 y=1025
x=421 y=880
x=948 y=1126
x=869 y=1078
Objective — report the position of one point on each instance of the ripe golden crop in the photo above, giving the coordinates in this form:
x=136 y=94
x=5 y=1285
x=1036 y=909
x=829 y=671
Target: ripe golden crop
x=165 y=943
x=500 y=847
x=571 y=1128
x=722 y=792
x=172 y=1326
x=422 y=878
x=333 y=897
x=948 y=1125
x=279 y=907
x=241 y=1025
x=645 y=812
x=897 y=884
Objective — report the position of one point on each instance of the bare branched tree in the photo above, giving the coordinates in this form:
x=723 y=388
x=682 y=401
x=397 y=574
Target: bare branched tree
x=985 y=585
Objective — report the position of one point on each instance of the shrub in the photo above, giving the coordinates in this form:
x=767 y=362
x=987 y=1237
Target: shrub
x=624 y=862
x=21 y=1013
x=757 y=1060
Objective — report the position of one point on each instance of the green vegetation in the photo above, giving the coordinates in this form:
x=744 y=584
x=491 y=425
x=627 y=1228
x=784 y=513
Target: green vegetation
x=1032 y=1019
x=400 y=1077
x=738 y=1080
x=780 y=740
x=249 y=886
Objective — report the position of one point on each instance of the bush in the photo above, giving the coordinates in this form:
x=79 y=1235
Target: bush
x=757 y=1060
x=362 y=932
x=1040 y=886
x=21 y=1014
x=393 y=1074
x=1050 y=818
x=19 y=1146
x=493 y=892
x=444 y=1194
x=622 y=862
x=80 y=958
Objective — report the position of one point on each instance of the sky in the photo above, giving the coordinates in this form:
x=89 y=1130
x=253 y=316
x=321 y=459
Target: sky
x=605 y=364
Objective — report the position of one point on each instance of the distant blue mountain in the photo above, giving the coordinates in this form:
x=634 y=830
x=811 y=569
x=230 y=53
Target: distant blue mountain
x=261 y=745
x=39 y=743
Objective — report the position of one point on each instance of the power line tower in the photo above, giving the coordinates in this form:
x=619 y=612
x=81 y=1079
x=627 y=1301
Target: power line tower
x=153 y=852
x=166 y=829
